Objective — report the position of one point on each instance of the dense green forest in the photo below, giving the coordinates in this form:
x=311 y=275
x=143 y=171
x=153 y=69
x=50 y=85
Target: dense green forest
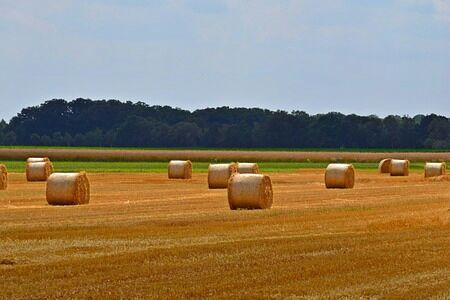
x=84 y=122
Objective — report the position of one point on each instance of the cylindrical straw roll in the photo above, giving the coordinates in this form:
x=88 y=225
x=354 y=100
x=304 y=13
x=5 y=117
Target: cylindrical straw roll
x=435 y=169
x=37 y=159
x=399 y=167
x=3 y=177
x=248 y=168
x=340 y=176
x=250 y=191
x=180 y=169
x=384 y=166
x=219 y=174
x=68 y=189
x=39 y=171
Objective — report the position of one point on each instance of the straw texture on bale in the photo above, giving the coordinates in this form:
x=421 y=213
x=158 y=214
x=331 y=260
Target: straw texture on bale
x=399 y=167
x=180 y=169
x=341 y=176
x=3 y=177
x=37 y=159
x=39 y=171
x=248 y=168
x=250 y=191
x=219 y=174
x=384 y=166
x=68 y=189
x=435 y=169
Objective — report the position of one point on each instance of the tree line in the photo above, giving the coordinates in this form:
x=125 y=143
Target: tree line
x=84 y=122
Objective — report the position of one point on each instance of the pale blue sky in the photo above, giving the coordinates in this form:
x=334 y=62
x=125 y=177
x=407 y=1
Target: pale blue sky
x=361 y=56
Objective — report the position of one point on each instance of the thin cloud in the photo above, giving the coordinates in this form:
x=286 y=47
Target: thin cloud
x=25 y=20
x=442 y=9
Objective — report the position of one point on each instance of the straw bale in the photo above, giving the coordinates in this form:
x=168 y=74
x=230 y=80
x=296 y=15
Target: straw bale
x=384 y=166
x=68 y=189
x=38 y=171
x=250 y=191
x=248 y=168
x=219 y=174
x=180 y=169
x=37 y=159
x=434 y=169
x=399 y=167
x=340 y=176
x=3 y=177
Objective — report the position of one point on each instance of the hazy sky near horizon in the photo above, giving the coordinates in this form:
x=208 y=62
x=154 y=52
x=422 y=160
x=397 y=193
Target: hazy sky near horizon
x=353 y=56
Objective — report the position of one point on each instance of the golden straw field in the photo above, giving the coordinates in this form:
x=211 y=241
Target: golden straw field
x=145 y=236
x=211 y=155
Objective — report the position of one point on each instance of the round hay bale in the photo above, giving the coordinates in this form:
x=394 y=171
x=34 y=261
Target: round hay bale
x=399 y=167
x=68 y=189
x=384 y=167
x=180 y=169
x=248 y=168
x=250 y=191
x=219 y=174
x=3 y=177
x=37 y=159
x=433 y=169
x=39 y=171
x=341 y=176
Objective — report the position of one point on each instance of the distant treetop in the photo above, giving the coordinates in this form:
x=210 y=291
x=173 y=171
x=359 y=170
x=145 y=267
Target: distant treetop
x=85 y=122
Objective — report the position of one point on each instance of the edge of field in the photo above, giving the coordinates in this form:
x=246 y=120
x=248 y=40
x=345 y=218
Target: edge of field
x=154 y=155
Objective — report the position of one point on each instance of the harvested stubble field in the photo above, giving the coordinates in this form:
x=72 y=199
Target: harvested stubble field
x=145 y=236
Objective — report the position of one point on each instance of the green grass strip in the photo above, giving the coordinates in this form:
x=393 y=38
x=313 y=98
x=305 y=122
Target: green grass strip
x=161 y=167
